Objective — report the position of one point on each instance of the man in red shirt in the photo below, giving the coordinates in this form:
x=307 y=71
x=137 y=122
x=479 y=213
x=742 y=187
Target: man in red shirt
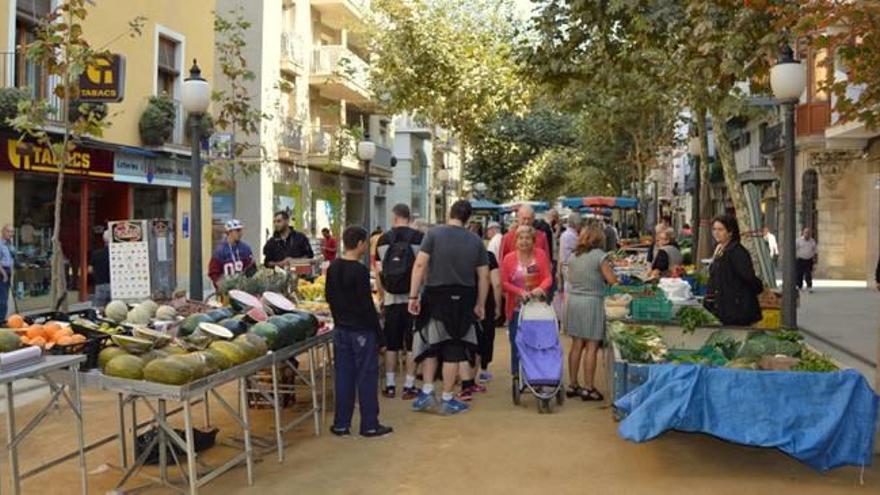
x=329 y=246
x=525 y=216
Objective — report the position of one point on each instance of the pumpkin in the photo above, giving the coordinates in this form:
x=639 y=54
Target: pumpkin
x=15 y=321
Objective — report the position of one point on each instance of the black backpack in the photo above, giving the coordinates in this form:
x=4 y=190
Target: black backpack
x=397 y=263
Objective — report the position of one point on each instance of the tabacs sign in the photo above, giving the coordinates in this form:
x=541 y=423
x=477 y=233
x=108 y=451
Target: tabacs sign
x=104 y=81
x=33 y=157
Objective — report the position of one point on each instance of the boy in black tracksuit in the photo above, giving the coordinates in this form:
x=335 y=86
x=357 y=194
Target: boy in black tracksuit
x=354 y=340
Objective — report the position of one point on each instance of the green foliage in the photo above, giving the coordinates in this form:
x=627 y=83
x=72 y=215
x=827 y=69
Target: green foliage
x=9 y=101
x=156 y=124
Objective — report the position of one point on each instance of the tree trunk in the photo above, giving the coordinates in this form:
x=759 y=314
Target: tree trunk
x=704 y=241
x=58 y=287
x=728 y=164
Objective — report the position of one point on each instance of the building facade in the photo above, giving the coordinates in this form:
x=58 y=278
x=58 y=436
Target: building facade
x=115 y=176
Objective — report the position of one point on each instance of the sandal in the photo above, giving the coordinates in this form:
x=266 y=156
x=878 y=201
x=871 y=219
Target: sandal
x=591 y=394
x=574 y=391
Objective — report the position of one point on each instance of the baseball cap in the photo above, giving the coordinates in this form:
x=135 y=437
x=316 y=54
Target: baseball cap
x=233 y=224
x=493 y=225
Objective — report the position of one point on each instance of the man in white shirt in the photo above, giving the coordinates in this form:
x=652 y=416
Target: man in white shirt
x=806 y=252
x=567 y=243
x=493 y=233
x=772 y=245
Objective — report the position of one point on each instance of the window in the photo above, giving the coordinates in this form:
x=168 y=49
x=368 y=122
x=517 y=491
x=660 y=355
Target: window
x=820 y=75
x=28 y=74
x=167 y=70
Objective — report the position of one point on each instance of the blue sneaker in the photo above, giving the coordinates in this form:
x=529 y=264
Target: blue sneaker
x=485 y=376
x=453 y=406
x=424 y=402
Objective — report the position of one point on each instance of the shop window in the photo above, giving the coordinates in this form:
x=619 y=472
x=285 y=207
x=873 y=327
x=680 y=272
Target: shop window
x=153 y=202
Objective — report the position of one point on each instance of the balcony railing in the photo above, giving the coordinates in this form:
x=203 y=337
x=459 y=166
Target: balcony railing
x=337 y=60
x=34 y=79
x=323 y=141
x=292 y=135
x=772 y=142
x=292 y=52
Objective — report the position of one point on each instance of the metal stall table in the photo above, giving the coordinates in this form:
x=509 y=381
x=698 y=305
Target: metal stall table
x=42 y=370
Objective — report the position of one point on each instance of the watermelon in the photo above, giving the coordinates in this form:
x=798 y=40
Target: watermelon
x=125 y=366
x=256 y=315
x=234 y=325
x=169 y=371
x=268 y=332
x=234 y=353
x=9 y=341
x=217 y=315
x=302 y=325
x=190 y=323
x=109 y=353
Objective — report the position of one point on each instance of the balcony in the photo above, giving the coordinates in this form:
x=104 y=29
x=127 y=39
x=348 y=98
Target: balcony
x=339 y=74
x=338 y=14
x=292 y=54
x=324 y=150
x=292 y=139
x=31 y=77
x=842 y=134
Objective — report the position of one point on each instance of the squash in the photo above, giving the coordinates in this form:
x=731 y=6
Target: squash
x=125 y=366
x=109 y=353
x=168 y=371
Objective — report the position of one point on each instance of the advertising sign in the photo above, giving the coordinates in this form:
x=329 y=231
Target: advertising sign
x=129 y=260
x=103 y=82
x=26 y=156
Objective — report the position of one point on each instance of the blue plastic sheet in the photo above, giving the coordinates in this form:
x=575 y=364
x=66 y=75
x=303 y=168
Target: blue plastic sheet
x=825 y=420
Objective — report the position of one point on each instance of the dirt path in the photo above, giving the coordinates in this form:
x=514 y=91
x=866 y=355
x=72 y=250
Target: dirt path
x=495 y=448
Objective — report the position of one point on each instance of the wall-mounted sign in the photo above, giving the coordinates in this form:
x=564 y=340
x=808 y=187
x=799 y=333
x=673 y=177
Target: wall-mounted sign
x=158 y=170
x=103 y=82
x=26 y=156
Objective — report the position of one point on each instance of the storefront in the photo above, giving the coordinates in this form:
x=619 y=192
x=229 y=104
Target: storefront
x=103 y=183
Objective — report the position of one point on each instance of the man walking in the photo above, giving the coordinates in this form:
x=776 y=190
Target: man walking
x=806 y=251
x=329 y=245
x=453 y=265
x=286 y=244
x=355 y=338
x=232 y=257
x=772 y=246
x=7 y=262
x=396 y=252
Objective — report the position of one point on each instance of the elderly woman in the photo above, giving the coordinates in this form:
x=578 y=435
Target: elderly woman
x=588 y=273
x=733 y=286
x=667 y=257
x=525 y=274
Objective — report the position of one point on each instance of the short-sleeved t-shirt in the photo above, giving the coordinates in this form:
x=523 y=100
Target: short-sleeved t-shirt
x=455 y=255
x=397 y=234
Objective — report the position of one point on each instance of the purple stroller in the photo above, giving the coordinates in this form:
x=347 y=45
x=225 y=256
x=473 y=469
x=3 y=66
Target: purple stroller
x=540 y=356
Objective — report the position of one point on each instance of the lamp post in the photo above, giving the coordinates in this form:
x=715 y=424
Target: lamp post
x=366 y=152
x=443 y=177
x=788 y=80
x=195 y=97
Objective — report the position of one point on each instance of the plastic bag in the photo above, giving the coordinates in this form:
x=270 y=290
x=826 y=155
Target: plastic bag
x=201 y=439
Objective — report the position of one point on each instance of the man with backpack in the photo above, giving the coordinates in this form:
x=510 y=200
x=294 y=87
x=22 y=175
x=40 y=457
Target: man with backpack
x=395 y=254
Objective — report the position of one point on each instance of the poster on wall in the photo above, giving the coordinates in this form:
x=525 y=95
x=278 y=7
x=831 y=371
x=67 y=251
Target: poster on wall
x=129 y=260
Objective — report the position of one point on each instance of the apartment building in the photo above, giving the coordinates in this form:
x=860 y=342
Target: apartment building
x=121 y=175
x=311 y=63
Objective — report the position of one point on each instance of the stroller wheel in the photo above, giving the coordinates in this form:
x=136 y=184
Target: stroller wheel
x=517 y=393
x=560 y=396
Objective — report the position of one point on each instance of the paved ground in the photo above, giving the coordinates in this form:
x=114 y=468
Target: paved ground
x=496 y=448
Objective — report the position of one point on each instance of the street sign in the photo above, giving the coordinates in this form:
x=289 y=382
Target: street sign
x=104 y=81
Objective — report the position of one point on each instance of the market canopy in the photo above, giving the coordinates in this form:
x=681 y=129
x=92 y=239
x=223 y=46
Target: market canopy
x=601 y=201
x=538 y=206
x=484 y=205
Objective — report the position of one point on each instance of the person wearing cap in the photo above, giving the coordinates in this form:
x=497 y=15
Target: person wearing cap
x=232 y=257
x=493 y=233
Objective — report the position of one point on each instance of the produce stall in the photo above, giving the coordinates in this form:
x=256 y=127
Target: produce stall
x=743 y=385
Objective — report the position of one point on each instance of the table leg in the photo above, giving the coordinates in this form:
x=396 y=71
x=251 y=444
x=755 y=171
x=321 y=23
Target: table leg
x=324 y=371
x=190 y=448
x=276 y=403
x=314 y=387
x=120 y=416
x=248 y=449
x=10 y=437
x=80 y=433
x=207 y=412
x=163 y=443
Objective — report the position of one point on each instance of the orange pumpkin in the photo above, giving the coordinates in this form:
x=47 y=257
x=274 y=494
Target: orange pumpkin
x=15 y=321
x=38 y=341
x=78 y=339
x=65 y=340
x=64 y=332
x=35 y=331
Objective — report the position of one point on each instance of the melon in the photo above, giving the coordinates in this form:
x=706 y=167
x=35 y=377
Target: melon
x=116 y=311
x=169 y=371
x=125 y=366
x=109 y=353
x=256 y=341
x=217 y=315
x=149 y=305
x=154 y=354
x=267 y=332
x=234 y=325
x=139 y=316
x=166 y=313
x=234 y=353
x=215 y=331
x=250 y=350
x=218 y=358
x=190 y=323
x=133 y=345
x=9 y=341
x=174 y=349
x=203 y=364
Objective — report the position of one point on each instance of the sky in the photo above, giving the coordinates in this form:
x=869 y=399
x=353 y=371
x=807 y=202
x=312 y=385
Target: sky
x=523 y=7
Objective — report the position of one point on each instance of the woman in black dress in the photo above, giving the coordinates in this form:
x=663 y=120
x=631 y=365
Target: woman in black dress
x=733 y=285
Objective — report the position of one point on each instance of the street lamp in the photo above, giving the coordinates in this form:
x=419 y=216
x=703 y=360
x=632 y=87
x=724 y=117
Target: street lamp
x=443 y=177
x=195 y=97
x=366 y=152
x=788 y=80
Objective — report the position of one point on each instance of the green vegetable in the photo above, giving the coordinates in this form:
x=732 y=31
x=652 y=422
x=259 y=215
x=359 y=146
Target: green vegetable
x=814 y=361
x=788 y=336
x=637 y=343
x=691 y=317
x=761 y=344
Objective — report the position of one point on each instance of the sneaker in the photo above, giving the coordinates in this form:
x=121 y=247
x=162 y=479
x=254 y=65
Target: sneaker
x=340 y=432
x=424 y=402
x=479 y=389
x=390 y=391
x=379 y=431
x=409 y=393
x=485 y=376
x=453 y=406
x=466 y=395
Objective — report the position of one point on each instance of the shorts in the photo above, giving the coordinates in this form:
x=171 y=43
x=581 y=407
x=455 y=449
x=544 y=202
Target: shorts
x=398 y=328
x=451 y=351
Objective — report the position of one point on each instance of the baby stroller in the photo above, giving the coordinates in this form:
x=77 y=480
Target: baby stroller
x=540 y=356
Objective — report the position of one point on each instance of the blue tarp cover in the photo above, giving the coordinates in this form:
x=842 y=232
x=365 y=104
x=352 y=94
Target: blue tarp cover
x=825 y=420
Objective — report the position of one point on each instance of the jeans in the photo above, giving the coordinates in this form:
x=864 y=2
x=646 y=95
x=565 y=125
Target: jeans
x=4 y=295
x=804 y=273
x=356 y=358
x=512 y=328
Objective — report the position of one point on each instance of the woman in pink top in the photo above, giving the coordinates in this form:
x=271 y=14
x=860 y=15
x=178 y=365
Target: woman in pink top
x=525 y=273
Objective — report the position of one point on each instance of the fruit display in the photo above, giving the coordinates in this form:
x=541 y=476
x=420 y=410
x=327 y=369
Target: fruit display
x=166 y=313
x=125 y=366
x=116 y=311
x=9 y=340
x=311 y=291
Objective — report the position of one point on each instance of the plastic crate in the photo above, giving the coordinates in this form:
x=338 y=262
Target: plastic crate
x=656 y=308
x=771 y=319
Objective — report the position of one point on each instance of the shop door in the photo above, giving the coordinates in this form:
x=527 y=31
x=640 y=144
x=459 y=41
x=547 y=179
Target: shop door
x=108 y=202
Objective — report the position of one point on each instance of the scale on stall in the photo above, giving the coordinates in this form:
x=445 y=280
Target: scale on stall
x=142 y=259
